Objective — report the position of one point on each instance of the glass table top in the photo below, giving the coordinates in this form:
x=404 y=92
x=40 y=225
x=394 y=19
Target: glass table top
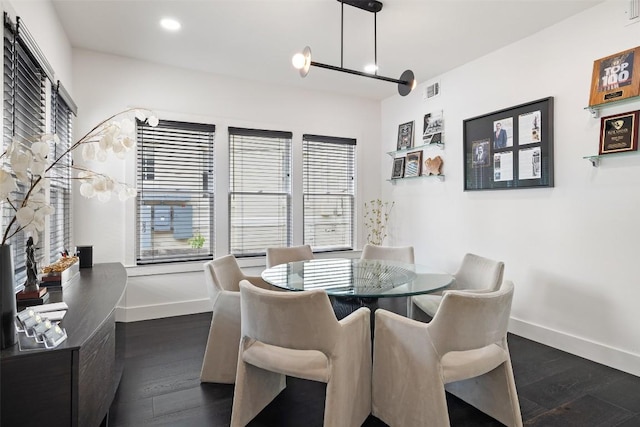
x=357 y=278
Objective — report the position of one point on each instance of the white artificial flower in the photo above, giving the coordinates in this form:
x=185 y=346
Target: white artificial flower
x=86 y=190
x=104 y=196
x=38 y=166
x=101 y=155
x=41 y=185
x=153 y=121
x=7 y=184
x=106 y=142
x=20 y=161
x=24 y=216
x=89 y=152
x=40 y=149
x=127 y=127
x=117 y=147
x=140 y=115
x=99 y=184
x=128 y=143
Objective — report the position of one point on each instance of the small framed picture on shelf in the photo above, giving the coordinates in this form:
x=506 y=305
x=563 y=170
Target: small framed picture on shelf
x=398 y=168
x=405 y=136
x=413 y=164
x=619 y=133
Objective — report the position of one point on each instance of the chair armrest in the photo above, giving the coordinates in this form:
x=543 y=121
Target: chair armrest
x=259 y=282
x=357 y=323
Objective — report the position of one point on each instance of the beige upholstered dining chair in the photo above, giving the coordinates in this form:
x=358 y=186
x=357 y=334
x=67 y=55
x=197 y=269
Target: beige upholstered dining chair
x=463 y=350
x=223 y=276
x=476 y=273
x=297 y=334
x=389 y=253
x=283 y=255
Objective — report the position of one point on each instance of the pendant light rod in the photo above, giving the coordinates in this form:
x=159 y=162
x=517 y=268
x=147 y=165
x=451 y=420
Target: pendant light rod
x=302 y=61
x=359 y=73
x=375 y=43
x=341 y=35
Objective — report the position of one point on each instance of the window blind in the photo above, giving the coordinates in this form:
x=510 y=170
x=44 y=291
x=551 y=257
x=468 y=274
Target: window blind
x=175 y=204
x=23 y=116
x=259 y=190
x=60 y=177
x=329 y=192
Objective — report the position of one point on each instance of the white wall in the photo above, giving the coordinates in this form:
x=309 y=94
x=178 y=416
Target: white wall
x=572 y=250
x=105 y=84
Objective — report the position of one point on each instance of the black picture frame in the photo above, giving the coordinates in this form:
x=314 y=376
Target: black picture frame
x=398 y=168
x=405 y=136
x=510 y=148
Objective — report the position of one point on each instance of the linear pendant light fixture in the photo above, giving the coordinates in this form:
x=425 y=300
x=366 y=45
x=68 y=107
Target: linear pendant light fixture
x=302 y=61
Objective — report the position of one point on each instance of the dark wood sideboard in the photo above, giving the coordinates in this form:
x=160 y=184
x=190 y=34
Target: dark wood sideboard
x=73 y=384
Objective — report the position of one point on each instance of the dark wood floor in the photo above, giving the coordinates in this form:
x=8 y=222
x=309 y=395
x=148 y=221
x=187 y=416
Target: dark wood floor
x=160 y=386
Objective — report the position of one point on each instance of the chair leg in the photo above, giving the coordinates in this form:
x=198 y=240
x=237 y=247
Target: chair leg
x=221 y=354
x=348 y=392
x=407 y=389
x=493 y=393
x=255 y=389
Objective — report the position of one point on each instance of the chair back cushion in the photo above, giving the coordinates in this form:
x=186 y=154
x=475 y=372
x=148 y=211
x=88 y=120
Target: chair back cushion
x=389 y=253
x=479 y=273
x=297 y=320
x=470 y=320
x=276 y=256
x=225 y=273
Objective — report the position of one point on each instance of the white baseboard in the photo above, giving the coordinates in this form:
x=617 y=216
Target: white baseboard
x=158 y=311
x=597 y=352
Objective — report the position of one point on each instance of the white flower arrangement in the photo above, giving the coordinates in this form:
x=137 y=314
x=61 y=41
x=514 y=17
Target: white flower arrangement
x=27 y=164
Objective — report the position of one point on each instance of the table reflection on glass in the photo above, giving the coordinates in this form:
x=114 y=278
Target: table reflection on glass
x=355 y=282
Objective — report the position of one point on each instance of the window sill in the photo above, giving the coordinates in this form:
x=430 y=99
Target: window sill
x=197 y=266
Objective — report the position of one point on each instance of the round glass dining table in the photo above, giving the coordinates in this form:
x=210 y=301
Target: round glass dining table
x=357 y=282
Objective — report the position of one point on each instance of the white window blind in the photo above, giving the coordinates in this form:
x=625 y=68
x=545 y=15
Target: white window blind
x=329 y=192
x=259 y=190
x=23 y=112
x=60 y=176
x=175 y=204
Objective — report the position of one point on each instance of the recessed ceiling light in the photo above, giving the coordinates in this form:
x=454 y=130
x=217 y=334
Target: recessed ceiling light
x=170 y=24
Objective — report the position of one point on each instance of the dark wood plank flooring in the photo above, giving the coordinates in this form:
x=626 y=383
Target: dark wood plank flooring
x=160 y=386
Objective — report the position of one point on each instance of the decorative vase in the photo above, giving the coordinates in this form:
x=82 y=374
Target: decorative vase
x=7 y=297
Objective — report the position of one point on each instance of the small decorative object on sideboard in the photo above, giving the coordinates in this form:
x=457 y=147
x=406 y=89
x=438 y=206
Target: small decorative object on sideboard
x=32 y=294
x=60 y=272
x=432 y=166
x=85 y=253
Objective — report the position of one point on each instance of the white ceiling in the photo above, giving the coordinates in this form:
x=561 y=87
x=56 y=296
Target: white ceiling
x=255 y=39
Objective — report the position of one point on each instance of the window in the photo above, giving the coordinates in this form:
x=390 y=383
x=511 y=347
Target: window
x=25 y=74
x=175 y=203
x=60 y=176
x=259 y=190
x=329 y=191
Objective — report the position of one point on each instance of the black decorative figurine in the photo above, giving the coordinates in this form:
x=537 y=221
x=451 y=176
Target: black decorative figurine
x=32 y=268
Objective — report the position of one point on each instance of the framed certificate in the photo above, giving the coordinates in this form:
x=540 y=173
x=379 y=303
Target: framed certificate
x=616 y=77
x=619 y=133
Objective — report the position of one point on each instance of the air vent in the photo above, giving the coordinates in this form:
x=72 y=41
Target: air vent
x=634 y=9
x=432 y=90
